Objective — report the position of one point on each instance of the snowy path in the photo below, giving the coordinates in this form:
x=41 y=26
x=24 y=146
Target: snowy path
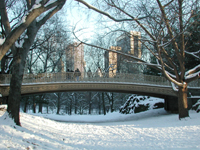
x=158 y=132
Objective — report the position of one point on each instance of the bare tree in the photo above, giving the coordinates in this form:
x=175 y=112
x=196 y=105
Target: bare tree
x=25 y=33
x=34 y=11
x=94 y=56
x=48 y=53
x=166 y=15
x=111 y=100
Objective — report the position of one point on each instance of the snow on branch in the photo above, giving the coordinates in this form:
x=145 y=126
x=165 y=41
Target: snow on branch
x=55 y=94
x=193 y=71
x=8 y=65
x=35 y=6
x=174 y=87
x=192 y=76
x=104 y=13
x=50 y=2
x=172 y=78
x=194 y=54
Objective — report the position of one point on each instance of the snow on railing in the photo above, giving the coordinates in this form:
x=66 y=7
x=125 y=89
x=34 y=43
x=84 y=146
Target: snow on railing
x=92 y=77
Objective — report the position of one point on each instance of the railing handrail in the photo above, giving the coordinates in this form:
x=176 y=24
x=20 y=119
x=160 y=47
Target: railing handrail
x=92 y=77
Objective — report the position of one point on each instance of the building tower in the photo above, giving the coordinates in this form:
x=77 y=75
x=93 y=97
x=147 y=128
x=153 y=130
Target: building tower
x=111 y=61
x=75 y=57
x=128 y=43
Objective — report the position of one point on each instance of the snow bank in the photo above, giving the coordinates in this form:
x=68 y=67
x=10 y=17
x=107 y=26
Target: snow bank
x=154 y=129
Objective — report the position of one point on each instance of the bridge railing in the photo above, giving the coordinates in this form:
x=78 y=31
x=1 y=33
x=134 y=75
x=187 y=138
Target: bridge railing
x=89 y=77
x=92 y=77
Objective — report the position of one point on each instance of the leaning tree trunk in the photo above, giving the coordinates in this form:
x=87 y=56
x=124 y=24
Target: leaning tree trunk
x=19 y=61
x=19 y=64
x=182 y=102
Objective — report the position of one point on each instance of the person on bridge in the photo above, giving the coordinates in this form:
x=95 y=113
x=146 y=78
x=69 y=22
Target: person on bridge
x=89 y=73
x=77 y=74
x=68 y=74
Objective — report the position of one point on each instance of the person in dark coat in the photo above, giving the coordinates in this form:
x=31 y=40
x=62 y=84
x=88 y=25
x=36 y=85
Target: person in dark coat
x=77 y=74
x=89 y=73
x=67 y=74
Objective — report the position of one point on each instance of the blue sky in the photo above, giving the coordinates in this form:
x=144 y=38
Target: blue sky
x=77 y=15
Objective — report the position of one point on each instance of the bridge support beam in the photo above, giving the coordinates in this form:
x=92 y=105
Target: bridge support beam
x=171 y=104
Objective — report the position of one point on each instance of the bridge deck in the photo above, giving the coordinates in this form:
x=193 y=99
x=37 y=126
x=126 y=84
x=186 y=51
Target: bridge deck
x=94 y=77
x=49 y=82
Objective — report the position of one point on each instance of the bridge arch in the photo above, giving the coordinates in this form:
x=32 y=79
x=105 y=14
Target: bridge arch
x=151 y=90
x=67 y=81
x=119 y=82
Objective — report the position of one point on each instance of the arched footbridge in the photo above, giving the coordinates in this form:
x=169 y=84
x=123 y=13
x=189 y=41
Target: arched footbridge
x=69 y=81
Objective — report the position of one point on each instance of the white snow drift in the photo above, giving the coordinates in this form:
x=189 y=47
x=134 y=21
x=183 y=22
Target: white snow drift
x=153 y=129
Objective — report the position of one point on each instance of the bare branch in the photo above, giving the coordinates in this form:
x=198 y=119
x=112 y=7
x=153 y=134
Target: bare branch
x=193 y=70
x=194 y=54
x=155 y=66
x=104 y=13
x=14 y=34
x=156 y=56
x=168 y=3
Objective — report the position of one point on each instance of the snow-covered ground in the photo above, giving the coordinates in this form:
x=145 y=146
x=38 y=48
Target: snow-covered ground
x=153 y=129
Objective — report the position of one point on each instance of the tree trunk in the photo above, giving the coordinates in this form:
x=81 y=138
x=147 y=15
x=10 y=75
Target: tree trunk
x=47 y=108
x=34 y=105
x=15 y=87
x=41 y=97
x=25 y=105
x=70 y=107
x=104 y=107
x=3 y=64
x=40 y=107
x=19 y=61
x=66 y=108
x=75 y=103
x=99 y=103
x=182 y=102
x=90 y=102
x=58 y=103
x=112 y=103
